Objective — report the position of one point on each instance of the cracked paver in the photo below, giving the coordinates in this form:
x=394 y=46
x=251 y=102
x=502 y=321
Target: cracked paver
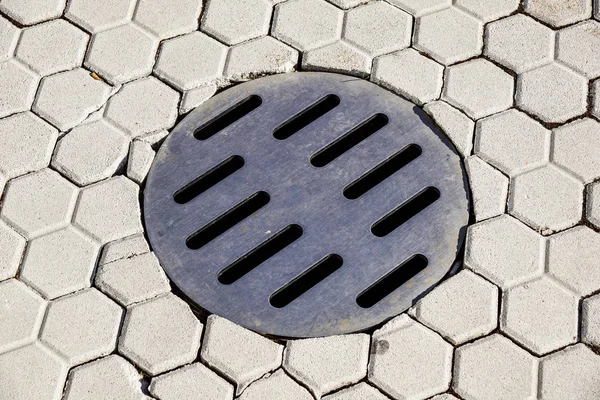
x=489 y=188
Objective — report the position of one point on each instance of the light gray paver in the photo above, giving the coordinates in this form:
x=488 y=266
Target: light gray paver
x=361 y=391
x=92 y=18
x=596 y=98
x=11 y=250
x=140 y=160
x=344 y=4
x=339 y=57
x=576 y=148
x=168 y=19
x=307 y=24
x=277 y=386
x=19 y=85
x=82 y=326
x=478 y=87
x=504 y=250
x=449 y=36
x=29 y=13
x=445 y=396
x=592 y=211
x=160 y=334
x=577 y=47
x=21 y=313
x=410 y=74
x=193 y=381
x=60 y=262
x=590 y=321
x=457 y=126
x=419 y=8
x=489 y=188
x=156 y=138
x=236 y=21
x=541 y=315
x=559 y=12
x=409 y=361
x=573 y=373
x=495 y=368
x=124 y=248
x=240 y=354
x=489 y=10
x=194 y=97
x=548 y=199
x=9 y=36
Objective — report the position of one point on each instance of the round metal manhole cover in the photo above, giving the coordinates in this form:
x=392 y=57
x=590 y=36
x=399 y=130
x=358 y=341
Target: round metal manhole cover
x=306 y=204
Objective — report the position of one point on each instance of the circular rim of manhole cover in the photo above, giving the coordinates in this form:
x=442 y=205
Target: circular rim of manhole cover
x=306 y=204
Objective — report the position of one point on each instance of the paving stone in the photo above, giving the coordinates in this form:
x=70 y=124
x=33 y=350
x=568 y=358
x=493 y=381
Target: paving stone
x=60 y=262
x=410 y=74
x=108 y=378
x=194 y=97
x=11 y=250
x=82 y=326
x=378 y=28
x=156 y=138
x=596 y=98
x=91 y=152
x=32 y=372
x=19 y=85
x=39 y=202
x=124 y=248
x=457 y=126
x=559 y=12
x=52 y=47
x=577 y=47
x=122 y=54
x=277 y=386
x=338 y=57
x=361 y=391
x=110 y=209
x=236 y=21
x=576 y=147
x=553 y=93
x=140 y=160
x=92 y=18
x=573 y=373
x=67 y=98
x=505 y=251
x=191 y=60
x=259 y=57
x=193 y=381
x=419 y=8
x=409 y=361
x=8 y=38
x=26 y=144
x=143 y=106
x=541 y=315
x=495 y=368
x=21 y=312
x=307 y=24
x=343 y=4
x=241 y=355
x=29 y=13
x=519 y=42
x=590 y=321
x=445 y=396
x=461 y=309
x=449 y=36
x=489 y=188
x=168 y=19
x=160 y=334
x=512 y=142
x=478 y=87
x=592 y=211
x=489 y=10
x=548 y=199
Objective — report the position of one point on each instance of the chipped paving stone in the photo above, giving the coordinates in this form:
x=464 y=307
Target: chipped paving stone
x=457 y=126
x=193 y=381
x=338 y=57
x=277 y=386
x=489 y=188
x=140 y=159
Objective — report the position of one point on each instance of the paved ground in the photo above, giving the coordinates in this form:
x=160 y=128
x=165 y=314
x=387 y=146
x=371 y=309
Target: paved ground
x=89 y=89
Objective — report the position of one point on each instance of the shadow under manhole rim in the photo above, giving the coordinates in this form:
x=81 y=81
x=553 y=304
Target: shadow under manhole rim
x=306 y=204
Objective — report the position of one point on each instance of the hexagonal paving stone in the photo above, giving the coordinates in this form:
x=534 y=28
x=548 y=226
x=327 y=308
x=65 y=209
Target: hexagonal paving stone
x=409 y=361
x=361 y=391
x=26 y=144
x=541 y=315
x=11 y=250
x=241 y=355
x=307 y=24
x=67 y=98
x=576 y=147
x=478 y=87
x=236 y=21
x=489 y=188
x=122 y=54
x=548 y=199
x=128 y=247
x=109 y=209
x=39 y=202
x=60 y=262
x=143 y=106
x=553 y=93
x=512 y=142
x=277 y=386
x=32 y=372
x=339 y=57
x=590 y=321
x=489 y=10
x=573 y=373
x=191 y=60
x=576 y=48
x=592 y=211
x=494 y=368
x=449 y=36
x=140 y=160
x=160 y=334
x=595 y=92
x=419 y=8
x=193 y=381
x=9 y=39
x=26 y=13
x=19 y=85
x=457 y=126
x=519 y=42
x=21 y=313
x=90 y=17
x=168 y=19
x=378 y=28
x=82 y=326
x=559 y=12
x=52 y=47
x=504 y=250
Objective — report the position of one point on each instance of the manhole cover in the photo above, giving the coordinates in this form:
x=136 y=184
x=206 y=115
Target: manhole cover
x=306 y=204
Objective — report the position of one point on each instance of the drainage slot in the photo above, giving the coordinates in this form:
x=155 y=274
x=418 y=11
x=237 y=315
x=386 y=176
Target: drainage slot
x=405 y=211
x=228 y=117
x=381 y=172
x=305 y=281
x=208 y=179
x=260 y=254
x=306 y=117
x=227 y=220
x=392 y=281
